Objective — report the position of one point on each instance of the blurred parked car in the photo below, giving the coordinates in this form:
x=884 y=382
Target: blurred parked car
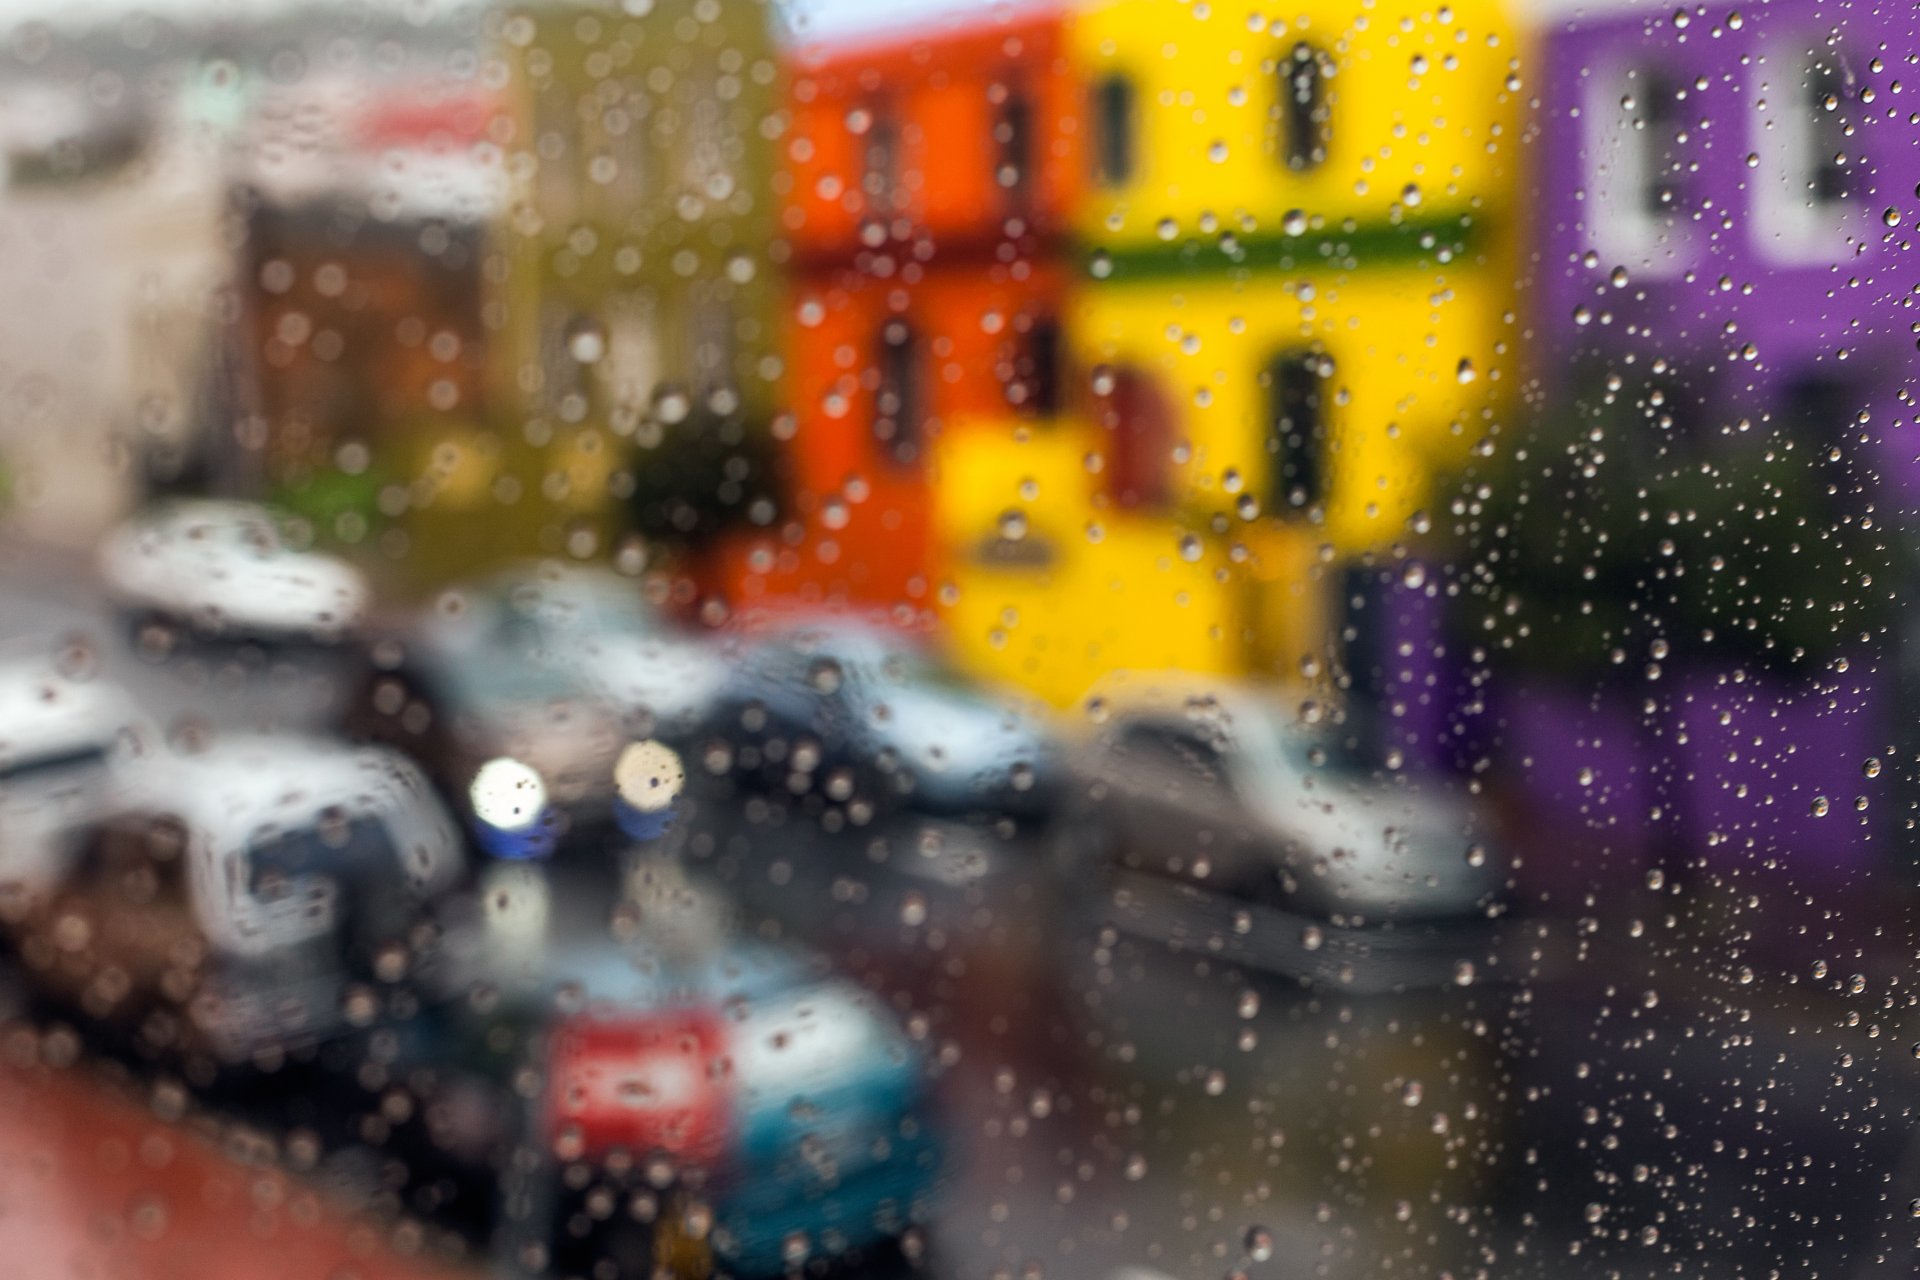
x=701 y=1098
x=553 y=668
x=259 y=896
x=225 y=570
x=62 y=743
x=860 y=717
x=1210 y=818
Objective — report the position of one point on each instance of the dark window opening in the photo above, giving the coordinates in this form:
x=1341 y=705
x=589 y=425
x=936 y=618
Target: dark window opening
x=1013 y=135
x=897 y=421
x=1138 y=424
x=1828 y=179
x=881 y=164
x=1303 y=108
x=1296 y=431
x=1662 y=189
x=1824 y=413
x=1114 y=130
x=1034 y=387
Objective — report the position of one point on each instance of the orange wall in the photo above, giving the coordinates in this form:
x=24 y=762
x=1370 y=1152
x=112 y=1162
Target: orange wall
x=939 y=88
x=867 y=516
x=962 y=260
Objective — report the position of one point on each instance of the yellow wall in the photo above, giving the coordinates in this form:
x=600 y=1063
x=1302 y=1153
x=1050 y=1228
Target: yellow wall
x=1102 y=590
x=1207 y=93
x=1394 y=258
x=1396 y=407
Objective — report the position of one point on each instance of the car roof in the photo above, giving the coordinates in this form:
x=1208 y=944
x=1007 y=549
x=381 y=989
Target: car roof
x=1175 y=694
x=240 y=783
x=222 y=511
x=40 y=709
x=848 y=639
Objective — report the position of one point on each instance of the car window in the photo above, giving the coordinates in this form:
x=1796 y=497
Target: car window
x=32 y=769
x=335 y=848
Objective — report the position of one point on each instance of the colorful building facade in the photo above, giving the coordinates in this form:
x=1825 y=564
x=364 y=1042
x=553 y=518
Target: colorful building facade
x=1293 y=313
x=928 y=181
x=1725 y=199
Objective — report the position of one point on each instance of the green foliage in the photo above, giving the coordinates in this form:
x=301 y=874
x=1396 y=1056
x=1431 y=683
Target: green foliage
x=698 y=477
x=1632 y=523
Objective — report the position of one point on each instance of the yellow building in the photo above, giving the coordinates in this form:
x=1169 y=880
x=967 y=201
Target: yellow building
x=632 y=294
x=1296 y=313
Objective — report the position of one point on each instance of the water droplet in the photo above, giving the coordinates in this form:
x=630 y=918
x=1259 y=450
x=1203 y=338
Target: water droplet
x=1294 y=222
x=1872 y=767
x=1190 y=548
x=586 y=341
x=1258 y=1243
x=1312 y=937
x=1463 y=973
x=1013 y=524
x=1820 y=806
x=1465 y=372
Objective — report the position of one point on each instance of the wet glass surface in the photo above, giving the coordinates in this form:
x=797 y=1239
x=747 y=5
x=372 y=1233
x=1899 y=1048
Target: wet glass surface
x=1127 y=639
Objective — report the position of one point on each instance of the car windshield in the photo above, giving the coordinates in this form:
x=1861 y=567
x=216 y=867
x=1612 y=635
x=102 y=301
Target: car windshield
x=335 y=846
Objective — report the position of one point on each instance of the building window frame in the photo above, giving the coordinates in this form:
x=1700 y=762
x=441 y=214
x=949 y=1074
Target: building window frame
x=1116 y=116
x=1297 y=389
x=1808 y=196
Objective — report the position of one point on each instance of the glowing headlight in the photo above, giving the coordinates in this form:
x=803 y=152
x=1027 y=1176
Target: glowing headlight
x=508 y=795
x=649 y=775
x=647 y=779
x=510 y=810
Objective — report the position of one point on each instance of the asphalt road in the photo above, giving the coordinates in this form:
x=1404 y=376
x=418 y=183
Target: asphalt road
x=1622 y=1094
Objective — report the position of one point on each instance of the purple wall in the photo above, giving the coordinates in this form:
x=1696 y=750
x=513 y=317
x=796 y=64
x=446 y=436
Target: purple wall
x=1815 y=294
x=1814 y=290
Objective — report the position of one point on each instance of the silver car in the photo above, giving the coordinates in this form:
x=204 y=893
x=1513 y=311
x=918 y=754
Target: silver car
x=1213 y=819
x=224 y=569
x=63 y=744
x=260 y=895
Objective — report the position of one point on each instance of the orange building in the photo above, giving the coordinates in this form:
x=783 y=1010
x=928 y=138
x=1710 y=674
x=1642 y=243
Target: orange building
x=926 y=188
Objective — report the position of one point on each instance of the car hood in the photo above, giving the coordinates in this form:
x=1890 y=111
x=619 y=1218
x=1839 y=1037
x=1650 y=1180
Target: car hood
x=570 y=742
x=1381 y=850
x=669 y=679
x=960 y=747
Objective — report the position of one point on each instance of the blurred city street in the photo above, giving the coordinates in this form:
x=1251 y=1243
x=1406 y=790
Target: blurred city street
x=1075 y=640
x=1199 y=1118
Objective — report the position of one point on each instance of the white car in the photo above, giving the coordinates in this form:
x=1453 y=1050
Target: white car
x=224 y=569
x=1214 y=820
x=262 y=894
x=63 y=742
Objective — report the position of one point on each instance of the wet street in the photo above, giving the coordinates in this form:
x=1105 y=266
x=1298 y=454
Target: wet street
x=1644 y=1090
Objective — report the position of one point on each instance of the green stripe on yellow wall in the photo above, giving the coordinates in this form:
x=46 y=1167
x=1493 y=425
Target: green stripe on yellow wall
x=1428 y=241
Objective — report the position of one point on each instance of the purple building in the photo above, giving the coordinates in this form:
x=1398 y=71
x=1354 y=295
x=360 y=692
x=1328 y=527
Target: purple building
x=1724 y=209
x=1731 y=188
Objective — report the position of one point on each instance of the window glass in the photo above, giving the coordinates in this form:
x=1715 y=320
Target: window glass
x=1102 y=639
